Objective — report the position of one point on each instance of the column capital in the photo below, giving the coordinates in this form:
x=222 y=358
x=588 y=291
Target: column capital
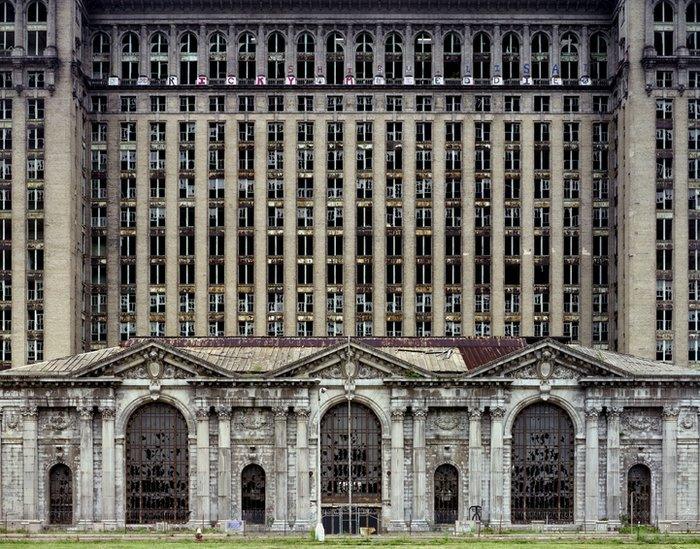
x=497 y=412
x=280 y=413
x=397 y=413
x=670 y=412
x=302 y=413
x=615 y=411
x=475 y=413
x=85 y=412
x=108 y=412
x=420 y=413
x=202 y=413
x=224 y=412
x=592 y=412
x=29 y=411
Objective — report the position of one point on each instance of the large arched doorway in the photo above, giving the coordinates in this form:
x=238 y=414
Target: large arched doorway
x=542 y=481
x=639 y=494
x=253 y=494
x=351 y=468
x=60 y=494
x=446 y=500
x=157 y=466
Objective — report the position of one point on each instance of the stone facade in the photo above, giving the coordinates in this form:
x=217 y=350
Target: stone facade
x=448 y=401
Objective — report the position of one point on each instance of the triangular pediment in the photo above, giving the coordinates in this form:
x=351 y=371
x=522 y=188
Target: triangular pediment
x=153 y=360
x=547 y=360
x=350 y=360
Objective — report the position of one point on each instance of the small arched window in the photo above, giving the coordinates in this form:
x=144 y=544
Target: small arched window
x=692 y=23
x=217 y=56
x=510 y=56
x=540 y=57
x=335 y=51
x=599 y=57
x=663 y=28
x=306 y=46
x=7 y=27
x=482 y=56
x=364 y=58
x=188 y=58
x=393 y=58
x=158 y=56
x=423 y=58
x=247 y=46
x=569 y=56
x=130 y=56
x=452 y=56
x=36 y=28
x=275 y=56
x=101 y=48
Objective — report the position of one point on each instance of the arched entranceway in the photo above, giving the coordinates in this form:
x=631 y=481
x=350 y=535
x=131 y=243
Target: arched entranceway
x=639 y=494
x=157 y=465
x=446 y=486
x=351 y=468
x=253 y=494
x=542 y=471
x=60 y=494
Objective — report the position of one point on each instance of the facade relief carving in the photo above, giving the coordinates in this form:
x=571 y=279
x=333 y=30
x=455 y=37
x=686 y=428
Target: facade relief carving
x=56 y=422
x=641 y=422
x=253 y=422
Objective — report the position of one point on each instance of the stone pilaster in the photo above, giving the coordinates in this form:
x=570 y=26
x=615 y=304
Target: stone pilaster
x=302 y=522
x=109 y=518
x=591 y=487
x=476 y=460
x=397 y=470
x=281 y=518
x=613 y=506
x=224 y=463
x=87 y=514
x=419 y=515
x=496 y=513
x=203 y=509
x=669 y=464
x=30 y=462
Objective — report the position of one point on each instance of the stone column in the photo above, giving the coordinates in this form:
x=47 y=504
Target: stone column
x=224 y=465
x=281 y=518
x=669 y=463
x=613 y=506
x=397 y=470
x=86 y=467
x=419 y=515
x=30 y=463
x=303 y=483
x=378 y=51
x=591 y=486
x=119 y=503
x=202 y=509
x=109 y=518
x=476 y=460
x=496 y=501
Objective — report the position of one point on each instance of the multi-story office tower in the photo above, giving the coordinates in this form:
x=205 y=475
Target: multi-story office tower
x=349 y=168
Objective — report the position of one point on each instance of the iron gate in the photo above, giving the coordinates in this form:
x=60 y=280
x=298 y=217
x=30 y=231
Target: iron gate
x=446 y=498
x=253 y=494
x=639 y=494
x=60 y=495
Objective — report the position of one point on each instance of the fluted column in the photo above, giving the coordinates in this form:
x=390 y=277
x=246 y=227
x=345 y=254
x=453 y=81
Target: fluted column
x=613 y=465
x=591 y=486
x=109 y=517
x=419 y=518
x=397 y=470
x=86 y=466
x=669 y=464
x=280 y=522
x=203 y=511
x=496 y=503
x=224 y=463
x=476 y=459
x=30 y=461
x=303 y=483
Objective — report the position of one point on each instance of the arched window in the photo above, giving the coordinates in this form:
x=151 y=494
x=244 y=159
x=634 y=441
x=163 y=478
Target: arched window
x=217 y=57
x=60 y=494
x=351 y=468
x=247 y=46
x=335 y=51
x=393 y=58
x=663 y=28
x=130 y=56
x=157 y=465
x=101 y=47
x=692 y=23
x=364 y=58
x=423 y=58
x=158 y=56
x=599 y=57
x=510 y=57
x=542 y=465
x=306 y=47
x=482 y=56
x=188 y=58
x=36 y=28
x=253 y=494
x=7 y=27
x=540 y=57
x=569 y=56
x=639 y=494
x=446 y=488
x=275 y=57
x=452 y=56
